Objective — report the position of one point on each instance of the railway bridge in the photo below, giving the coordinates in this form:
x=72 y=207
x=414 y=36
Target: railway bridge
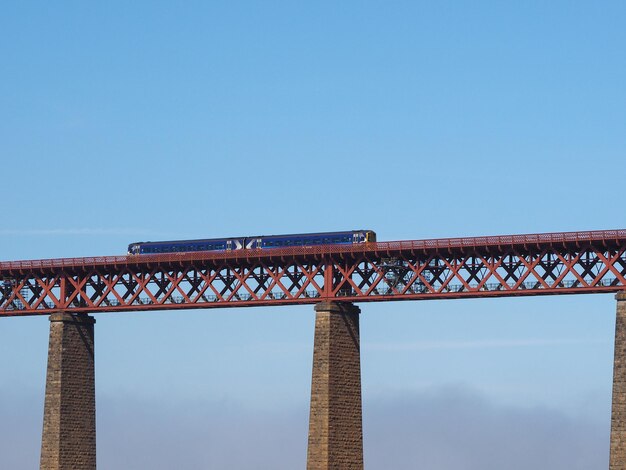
x=333 y=279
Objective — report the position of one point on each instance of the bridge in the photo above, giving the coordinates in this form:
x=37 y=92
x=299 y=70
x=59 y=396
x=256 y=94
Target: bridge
x=333 y=278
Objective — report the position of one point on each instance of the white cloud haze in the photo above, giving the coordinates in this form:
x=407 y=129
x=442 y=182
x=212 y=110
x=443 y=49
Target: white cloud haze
x=444 y=429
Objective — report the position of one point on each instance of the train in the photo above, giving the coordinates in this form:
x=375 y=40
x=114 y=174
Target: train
x=262 y=242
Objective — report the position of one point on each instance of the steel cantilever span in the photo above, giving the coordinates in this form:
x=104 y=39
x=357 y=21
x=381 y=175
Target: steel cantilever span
x=498 y=266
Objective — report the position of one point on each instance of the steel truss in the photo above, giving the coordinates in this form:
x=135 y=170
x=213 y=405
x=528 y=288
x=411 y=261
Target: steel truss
x=562 y=263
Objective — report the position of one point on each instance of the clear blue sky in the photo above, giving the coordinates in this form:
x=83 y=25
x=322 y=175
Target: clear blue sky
x=155 y=120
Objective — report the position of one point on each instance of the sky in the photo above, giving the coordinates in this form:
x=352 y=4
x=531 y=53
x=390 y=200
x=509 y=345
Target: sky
x=131 y=121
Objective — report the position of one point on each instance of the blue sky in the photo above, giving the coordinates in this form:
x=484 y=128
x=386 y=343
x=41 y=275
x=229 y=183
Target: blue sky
x=155 y=120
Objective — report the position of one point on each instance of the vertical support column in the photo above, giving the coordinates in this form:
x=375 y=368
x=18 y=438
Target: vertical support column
x=617 y=460
x=69 y=423
x=335 y=422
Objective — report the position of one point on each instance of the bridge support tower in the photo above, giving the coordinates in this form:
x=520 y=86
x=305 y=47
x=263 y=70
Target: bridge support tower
x=617 y=460
x=335 y=422
x=69 y=424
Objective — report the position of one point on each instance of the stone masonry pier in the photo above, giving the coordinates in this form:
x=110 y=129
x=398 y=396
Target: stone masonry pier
x=618 y=414
x=69 y=424
x=335 y=423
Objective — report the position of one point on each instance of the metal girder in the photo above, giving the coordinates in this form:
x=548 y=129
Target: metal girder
x=558 y=263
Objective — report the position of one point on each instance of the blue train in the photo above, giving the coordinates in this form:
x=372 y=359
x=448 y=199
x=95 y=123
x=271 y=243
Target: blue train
x=264 y=242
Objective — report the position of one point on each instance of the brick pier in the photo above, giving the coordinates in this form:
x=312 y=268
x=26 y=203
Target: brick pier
x=335 y=422
x=618 y=415
x=69 y=423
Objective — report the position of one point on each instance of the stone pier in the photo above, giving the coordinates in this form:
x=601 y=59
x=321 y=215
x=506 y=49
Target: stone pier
x=335 y=423
x=618 y=414
x=69 y=424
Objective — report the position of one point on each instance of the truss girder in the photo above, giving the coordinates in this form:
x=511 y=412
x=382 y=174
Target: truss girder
x=376 y=272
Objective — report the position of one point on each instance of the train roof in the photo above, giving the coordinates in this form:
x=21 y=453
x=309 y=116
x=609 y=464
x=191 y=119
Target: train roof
x=254 y=236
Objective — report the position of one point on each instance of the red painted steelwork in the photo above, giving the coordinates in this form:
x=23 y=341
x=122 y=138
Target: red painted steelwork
x=553 y=263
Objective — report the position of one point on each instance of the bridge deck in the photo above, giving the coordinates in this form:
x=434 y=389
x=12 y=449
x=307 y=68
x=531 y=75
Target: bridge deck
x=493 y=266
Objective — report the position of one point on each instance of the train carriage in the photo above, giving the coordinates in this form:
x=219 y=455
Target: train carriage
x=259 y=242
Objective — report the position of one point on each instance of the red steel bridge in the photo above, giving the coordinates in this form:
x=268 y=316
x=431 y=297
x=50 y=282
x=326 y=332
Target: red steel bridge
x=497 y=266
x=333 y=278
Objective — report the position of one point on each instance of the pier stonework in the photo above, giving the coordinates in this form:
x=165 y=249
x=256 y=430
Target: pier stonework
x=69 y=424
x=618 y=413
x=335 y=422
